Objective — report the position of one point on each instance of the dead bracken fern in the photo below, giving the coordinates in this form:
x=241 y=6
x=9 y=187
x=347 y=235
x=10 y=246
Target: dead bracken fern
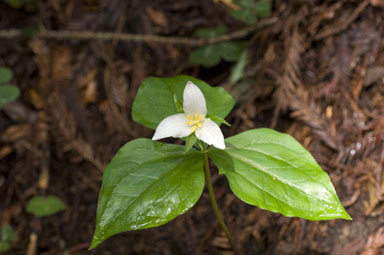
x=61 y=105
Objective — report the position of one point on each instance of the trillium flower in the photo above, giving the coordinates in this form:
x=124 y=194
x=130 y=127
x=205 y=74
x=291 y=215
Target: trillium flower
x=193 y=120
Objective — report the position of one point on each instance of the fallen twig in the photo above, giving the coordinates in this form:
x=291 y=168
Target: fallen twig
x=90 y=35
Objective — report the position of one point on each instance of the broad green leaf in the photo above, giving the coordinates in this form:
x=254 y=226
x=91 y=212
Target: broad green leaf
x=5 y=74
x=211 y=32
x=231 y=51
x=147 y=184
x=7 y=234
x=4 y=246
x=8 y=93
x=238 y=68
x=155 y=99
x=273 y=171
x=42 y=206
x=207 y=56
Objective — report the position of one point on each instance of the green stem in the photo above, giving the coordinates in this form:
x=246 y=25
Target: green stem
x=214 y=203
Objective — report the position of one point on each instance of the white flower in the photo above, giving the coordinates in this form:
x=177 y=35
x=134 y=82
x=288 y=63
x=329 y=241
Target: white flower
x=192 y=120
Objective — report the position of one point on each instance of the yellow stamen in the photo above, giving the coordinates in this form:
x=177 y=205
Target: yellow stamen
x=195 y=122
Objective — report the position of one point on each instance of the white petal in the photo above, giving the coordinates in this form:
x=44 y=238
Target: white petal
x=174 y=126
x=193 y=100
x=211 y=134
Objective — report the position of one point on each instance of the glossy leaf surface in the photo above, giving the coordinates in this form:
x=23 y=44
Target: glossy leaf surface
x=273 y=171
x=155 y=99
x=42 y=206
x=147 y=184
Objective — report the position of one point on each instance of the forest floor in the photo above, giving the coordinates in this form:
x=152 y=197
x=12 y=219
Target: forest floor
x=315 y=70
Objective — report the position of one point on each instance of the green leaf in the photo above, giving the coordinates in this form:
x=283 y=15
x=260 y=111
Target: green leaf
x=250 y=10
x=207 y=56
x=5 y=74
x=7 y=234
x=210 y=55
x=44 y=206
x=273 y=171
x=14 y=3
x=178 y=104
x=263 y=9
x=155 y=99
x=218 y=120
x=238 y=68
x=4 y=246
x=244 y=3
x=191 y=140
x=147 y=184
x=8 y=93
x=231 y=51
x=245 y=15
x=211 y=32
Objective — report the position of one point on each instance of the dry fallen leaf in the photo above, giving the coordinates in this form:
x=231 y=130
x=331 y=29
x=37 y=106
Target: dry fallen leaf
x=15 y=132
x=377 y=2
x=228 y=3
x=89 y=85
x=157 y=17
x=373 y=74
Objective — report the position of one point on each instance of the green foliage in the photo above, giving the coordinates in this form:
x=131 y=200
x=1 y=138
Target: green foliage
x=190 y=141
x=211 y=32
x=7 y=236
x=8 y=93
x=210 y=55
x=250 y=10
x=29 y=5
x=4 y=246
x=155 y=99
x=147 y=184
x=274 y=172
x=5 y=74
x=238 y=68
x=42 y=206
x=218 y=120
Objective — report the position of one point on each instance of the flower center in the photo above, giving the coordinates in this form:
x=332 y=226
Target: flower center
x=195 y=122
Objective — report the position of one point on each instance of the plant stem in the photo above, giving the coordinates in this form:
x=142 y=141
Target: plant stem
x=214 y=203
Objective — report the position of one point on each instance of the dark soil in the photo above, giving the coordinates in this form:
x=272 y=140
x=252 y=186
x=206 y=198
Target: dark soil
x=315 y=71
